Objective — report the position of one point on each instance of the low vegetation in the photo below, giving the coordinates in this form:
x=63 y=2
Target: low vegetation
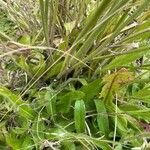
x=74 y=75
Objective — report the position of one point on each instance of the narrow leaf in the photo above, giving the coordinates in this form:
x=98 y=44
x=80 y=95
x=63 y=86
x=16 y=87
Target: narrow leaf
x=127 y=58
x=102 y=117
x=79 y=116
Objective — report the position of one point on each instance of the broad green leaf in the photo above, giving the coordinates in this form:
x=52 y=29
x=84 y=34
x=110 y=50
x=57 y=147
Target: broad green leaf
x=91 y=90
x=102 y=117
x=79 y=116
x=27 y=143
x=68 y=146
x=25 y=39
x=67 y=99
x=13 y=142
x=23 y=107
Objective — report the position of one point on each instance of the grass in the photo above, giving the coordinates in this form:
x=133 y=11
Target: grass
x=74 y=74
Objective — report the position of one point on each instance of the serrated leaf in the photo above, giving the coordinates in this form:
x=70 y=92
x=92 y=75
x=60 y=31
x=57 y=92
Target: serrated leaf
x=141 y=114
x=79 y=116
x=142 y=95
x=114 y=82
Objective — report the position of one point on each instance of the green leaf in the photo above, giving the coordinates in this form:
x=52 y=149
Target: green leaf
x=4 y=36
x=23 y=125
x=101 y=144
x=127 y=58
x=91 y=89
x=121 y=118
x=79 y=116
x=37 y=64
x=141 y=114
x=133 y=123
x=23 y=65
x=50 y=98
x=67 y=99
x=44 y=8
x=27 y=144
x=68 y=146
x=23 y=107
x=93 y=18
x=142 y=95
x=118 y=147
x=141 y=35
x=54 y=71
x=13 y=142
x=129 y=107
x=38 y=131
x=102 y=117
x=113 y=83
x=24 y=39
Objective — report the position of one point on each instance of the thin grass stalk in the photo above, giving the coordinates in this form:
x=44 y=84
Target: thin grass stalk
x=44 y=8
x=123 y=24
x=90 y=24
x=86 y=42
x=101 y=48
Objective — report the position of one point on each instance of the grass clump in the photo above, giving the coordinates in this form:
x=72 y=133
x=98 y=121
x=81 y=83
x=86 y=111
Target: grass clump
x=75 y=75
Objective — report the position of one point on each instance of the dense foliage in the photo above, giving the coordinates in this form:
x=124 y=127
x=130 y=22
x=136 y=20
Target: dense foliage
x=74 y=74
